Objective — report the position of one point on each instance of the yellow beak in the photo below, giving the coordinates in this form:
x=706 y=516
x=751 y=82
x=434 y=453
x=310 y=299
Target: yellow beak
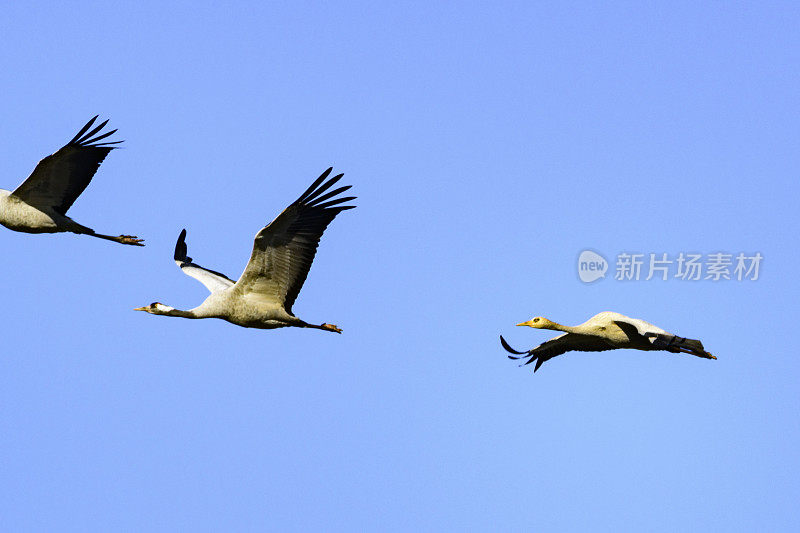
x=528 y=323
x=141 y=309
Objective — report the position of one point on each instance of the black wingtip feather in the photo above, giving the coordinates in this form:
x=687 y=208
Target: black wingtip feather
x=509 y=349
x=85 y=138
x=313 y=197
x=83 y=129
x=181 y=249
x=99 y=137
x=314 y=185
x=316 y=200
x=106 y=144
x=334 y=202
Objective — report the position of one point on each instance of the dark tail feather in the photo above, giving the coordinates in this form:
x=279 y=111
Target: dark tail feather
x=680 y=344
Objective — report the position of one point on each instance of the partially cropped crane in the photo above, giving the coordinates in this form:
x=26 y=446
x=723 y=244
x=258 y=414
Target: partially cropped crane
x=604 y=331
x=281 y=257
x=40 y=203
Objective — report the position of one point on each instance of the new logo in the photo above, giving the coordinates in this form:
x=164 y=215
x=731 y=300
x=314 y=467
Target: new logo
x=591 y=266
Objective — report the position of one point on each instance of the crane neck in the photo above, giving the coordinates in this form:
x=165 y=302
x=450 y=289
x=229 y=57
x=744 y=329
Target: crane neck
x=189 y=313
x=560 y=327
x=166 y=310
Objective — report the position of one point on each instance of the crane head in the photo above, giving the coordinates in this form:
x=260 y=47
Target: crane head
x=538 y=322
x=156 y=308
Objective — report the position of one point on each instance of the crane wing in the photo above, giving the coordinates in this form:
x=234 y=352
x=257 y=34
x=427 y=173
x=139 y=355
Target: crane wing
x=634 y=326
x=563 y=343
x=662 y=340
x=59 y=179
x=284 y=250
x=214 y=281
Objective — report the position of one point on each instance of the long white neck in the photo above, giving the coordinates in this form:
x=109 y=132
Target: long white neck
x=166 y=310
x=183 y=314
x=559 y=327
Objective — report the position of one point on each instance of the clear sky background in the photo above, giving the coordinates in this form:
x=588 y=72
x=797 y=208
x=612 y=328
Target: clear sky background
x=489 y=144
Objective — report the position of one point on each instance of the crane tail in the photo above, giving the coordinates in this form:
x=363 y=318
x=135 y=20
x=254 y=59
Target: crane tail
x=673 y=343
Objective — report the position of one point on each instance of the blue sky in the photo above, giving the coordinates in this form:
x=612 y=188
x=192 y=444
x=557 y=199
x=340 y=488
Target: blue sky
x=489 y=144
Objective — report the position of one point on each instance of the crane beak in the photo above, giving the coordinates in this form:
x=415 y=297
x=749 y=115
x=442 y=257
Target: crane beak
x=141 y=309
x=528 y=323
